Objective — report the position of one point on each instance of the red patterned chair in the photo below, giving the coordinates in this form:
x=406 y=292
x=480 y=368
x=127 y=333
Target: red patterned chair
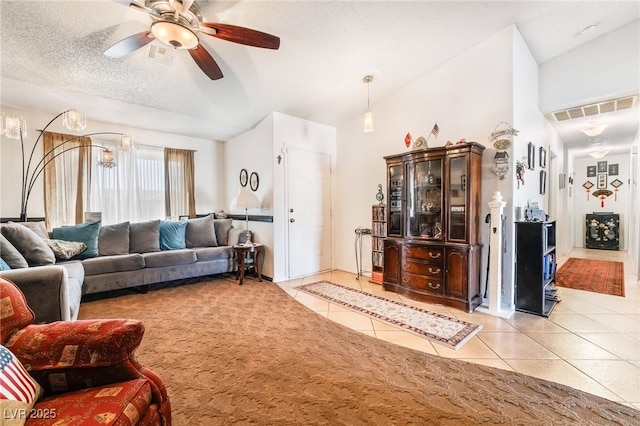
x=87 y=369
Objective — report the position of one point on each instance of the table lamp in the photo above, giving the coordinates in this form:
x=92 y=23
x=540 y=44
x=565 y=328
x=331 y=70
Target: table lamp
x=245 y=200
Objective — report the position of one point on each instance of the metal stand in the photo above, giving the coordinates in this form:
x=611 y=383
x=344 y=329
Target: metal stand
x=360 y=231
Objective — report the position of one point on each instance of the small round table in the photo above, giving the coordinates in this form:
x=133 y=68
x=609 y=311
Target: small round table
x=254 y=252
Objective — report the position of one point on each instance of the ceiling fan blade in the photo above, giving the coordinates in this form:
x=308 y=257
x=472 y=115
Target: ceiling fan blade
x=129 y=44
x=206 y=62
x=134 y=4
x=242 y=35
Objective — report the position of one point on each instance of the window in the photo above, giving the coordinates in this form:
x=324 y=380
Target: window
x=147 y=183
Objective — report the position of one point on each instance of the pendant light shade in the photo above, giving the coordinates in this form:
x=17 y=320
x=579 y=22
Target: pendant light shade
x=368 y=116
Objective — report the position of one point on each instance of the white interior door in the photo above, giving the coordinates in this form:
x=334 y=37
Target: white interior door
x=309 y=212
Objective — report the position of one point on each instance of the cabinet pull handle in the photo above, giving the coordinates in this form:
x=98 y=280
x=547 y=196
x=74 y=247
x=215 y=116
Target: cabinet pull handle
x=437 y=271
x=406 y=281
x=434 y=287
x=437 y=256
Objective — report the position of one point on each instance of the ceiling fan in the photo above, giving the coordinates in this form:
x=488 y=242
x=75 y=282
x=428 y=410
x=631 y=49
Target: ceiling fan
x=177 y=24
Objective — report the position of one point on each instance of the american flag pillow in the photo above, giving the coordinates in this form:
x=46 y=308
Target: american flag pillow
x=15 y=382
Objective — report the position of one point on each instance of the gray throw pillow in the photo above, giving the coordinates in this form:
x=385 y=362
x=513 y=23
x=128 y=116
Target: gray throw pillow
x=201 y=232
x=38 y=227
x=114 y=239
x=35 y=251
x=144 y=237
x=11 y=255
x=222 y=227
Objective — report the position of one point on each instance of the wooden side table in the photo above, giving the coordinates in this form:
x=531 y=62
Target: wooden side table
x=255 y=252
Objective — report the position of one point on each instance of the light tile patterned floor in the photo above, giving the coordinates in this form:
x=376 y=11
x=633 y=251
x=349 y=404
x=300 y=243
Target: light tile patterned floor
x=590 y=342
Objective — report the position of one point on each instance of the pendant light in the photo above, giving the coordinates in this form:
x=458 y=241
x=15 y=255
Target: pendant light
x=368 y=116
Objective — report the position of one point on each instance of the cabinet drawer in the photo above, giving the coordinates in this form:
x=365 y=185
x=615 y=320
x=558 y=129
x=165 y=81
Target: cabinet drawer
x=433 y=270
x=430 y=284
x=424 y=253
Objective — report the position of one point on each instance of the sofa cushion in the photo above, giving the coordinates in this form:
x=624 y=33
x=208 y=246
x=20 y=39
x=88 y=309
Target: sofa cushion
x=113 y=239
x=38 y=227
x=121 y=403
x=65 y=249
x=86 y=233
x=169 y=258
x=11 y=255
x=204 y=254
x=222 y=227
x=22 y=391
x=14 y=311
x=201 y=232
x=116 y=263
x=144 y=237
x=172 y=235
x=35 y=251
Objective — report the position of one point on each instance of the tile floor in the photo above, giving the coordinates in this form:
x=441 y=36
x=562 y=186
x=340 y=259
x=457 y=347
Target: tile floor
x=590 y=342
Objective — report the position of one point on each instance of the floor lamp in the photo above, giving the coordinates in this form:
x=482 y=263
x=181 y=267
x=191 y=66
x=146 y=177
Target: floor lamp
x=245 y=200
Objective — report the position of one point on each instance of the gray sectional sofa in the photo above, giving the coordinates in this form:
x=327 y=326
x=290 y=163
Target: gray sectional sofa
x=115 y=257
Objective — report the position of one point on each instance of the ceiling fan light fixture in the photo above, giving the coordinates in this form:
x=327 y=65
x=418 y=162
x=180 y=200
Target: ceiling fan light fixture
x=594 y=129
x=174 y=35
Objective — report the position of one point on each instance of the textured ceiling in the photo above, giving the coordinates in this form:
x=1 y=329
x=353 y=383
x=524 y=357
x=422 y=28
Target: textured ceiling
x=51 y=53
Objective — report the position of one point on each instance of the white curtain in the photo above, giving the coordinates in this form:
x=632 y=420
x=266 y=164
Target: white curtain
x=133 y=190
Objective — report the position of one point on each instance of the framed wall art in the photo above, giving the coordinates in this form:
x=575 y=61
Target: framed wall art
x=602 y=181
x=613 y=170
x=543 y=181
x=591 y=171
x=543 y=157
x=602 y=167
x=531 y=156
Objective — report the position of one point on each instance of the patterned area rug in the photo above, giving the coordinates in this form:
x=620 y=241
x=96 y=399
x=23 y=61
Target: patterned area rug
x=598 y=276
x=442 y=329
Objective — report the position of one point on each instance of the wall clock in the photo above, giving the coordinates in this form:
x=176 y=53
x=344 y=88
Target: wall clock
x=254 y=181
x=244 y=176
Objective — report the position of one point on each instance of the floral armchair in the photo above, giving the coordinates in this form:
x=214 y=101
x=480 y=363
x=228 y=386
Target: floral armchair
x=86 y=371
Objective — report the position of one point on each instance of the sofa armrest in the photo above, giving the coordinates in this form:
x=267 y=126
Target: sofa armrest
x=46 y=289
x=72 y=355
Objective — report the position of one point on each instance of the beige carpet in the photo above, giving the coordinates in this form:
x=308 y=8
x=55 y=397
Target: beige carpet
x=250 y=354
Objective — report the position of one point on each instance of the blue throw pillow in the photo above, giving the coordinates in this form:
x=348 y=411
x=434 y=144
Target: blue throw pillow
x=3 y=265
x=86 y=233
x=172 y=234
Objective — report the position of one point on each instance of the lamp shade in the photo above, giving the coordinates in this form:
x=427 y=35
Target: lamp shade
x=245 y=200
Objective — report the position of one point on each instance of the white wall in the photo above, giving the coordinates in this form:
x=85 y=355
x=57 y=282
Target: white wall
x=583 y=75
x=584 y=203
x=251 y=150
x=209 y=165
x=258 y=150
x=467 y=96
x=634 y=223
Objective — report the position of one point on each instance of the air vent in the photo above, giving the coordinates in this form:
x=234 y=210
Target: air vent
x=160 y=53
x=595 y=109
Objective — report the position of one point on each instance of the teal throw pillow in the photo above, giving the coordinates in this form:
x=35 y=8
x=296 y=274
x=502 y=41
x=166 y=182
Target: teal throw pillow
x=86 y=233
x=3 y=265
x=172 y=234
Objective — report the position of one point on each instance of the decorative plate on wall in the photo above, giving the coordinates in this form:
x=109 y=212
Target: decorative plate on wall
x=254 y=181
x=244 y=176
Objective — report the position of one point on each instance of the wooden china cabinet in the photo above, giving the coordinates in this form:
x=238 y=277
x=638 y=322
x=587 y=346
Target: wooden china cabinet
x=432 y=251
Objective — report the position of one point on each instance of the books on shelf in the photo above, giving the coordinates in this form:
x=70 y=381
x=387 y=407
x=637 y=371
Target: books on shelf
x=549 y=266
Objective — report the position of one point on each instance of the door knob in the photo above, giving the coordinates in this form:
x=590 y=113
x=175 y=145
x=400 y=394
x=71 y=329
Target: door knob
x=292 y=220
x=290 y=210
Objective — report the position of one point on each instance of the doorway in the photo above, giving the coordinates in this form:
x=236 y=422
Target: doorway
x=308 y=212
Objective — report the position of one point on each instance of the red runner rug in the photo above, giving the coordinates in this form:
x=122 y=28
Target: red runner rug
x=598 y=276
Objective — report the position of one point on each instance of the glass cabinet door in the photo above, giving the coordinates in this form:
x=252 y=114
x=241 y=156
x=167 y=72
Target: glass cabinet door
x=458 y=198
x=424 y=199
x=395 y=200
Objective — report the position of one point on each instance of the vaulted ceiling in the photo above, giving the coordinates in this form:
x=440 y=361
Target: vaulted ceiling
x=52 y=57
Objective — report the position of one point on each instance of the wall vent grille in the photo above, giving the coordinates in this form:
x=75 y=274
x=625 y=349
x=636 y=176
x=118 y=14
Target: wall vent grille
x=595 y=109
